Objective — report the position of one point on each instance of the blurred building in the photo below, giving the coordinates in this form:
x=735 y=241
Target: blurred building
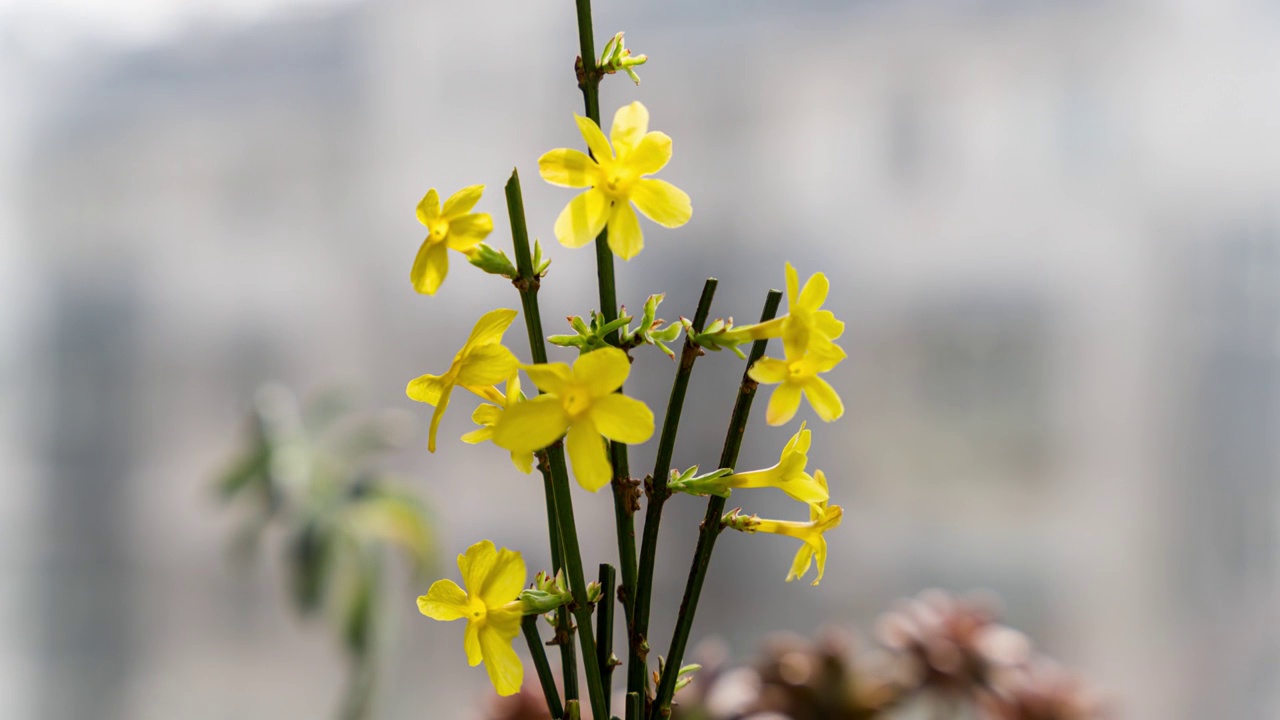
x=1051 y=225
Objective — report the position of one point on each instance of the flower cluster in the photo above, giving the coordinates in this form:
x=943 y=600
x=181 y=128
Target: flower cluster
x=581 y=420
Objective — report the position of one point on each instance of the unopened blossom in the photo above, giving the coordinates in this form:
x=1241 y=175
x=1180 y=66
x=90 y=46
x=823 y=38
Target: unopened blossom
x=616 y=178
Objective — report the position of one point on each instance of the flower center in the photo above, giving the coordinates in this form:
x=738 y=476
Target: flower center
x=476 y=610
x=616 y=181
x=439 y=229
x=575 y=400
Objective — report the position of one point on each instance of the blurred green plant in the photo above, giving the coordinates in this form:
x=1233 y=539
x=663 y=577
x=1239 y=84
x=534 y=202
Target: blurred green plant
x=310 y=472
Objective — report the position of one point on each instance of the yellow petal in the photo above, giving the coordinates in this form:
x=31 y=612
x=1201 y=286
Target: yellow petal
x=596 y=141
x=487 y=365
x=461 y=202
x=800 y=565
x=443 y=601
x=478 y=435
x=795 y=337
x=505 y=580
x=587 y=455
x=769 y=371
x=471 y=643
x=490 y=328
x=531 y=425
x=650 y=155
x=820 y=555
x=437 y=416
x=426 y=388
x=630 y=123
x=824 y=399
x=661 y=202
x=476 y=564
x=488 y=392
x=429 y=268
x=824 y=356
x=621 y=418
x=567 y=167
x=429 y=207
x=783 y=404
x=486 y=414
x=500 y=660
x=549 y=377
x=625 y=238
x=793 y=284
x=523 y=462
x=582 y=219
x=468 y=231
x=815 y=292
x=799 y=443
x=602 y=371
x=825 y=322
x=759 y=331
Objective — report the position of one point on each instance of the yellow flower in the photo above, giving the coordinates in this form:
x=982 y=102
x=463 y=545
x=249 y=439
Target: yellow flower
x=796 y=375
x=821 y=519
x=488 y=415
x=788 y=475
x=582 y=401
x=453 y=226
x=617 y=179
x=480 y=363
x=494 y=579
x=806 y=324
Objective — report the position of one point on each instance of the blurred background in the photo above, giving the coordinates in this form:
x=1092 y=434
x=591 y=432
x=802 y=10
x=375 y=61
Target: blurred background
x=1052 y=227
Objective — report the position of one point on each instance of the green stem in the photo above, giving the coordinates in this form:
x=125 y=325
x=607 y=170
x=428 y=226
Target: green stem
x=710 y=525
x=637 y=672
x=604 y=630
x=559 y=501
x=539 y=655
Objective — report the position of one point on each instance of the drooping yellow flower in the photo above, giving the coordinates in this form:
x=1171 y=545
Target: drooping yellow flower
x=822 y=517
x=616 y=178
x=493 y=580
x=488 y=416
x=788 y=475
x=806 y=324
x=582 y=401
x=452 y=227
x=482 y=362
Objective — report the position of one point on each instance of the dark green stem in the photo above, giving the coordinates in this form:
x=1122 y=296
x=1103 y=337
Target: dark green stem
x=604 y=630
x=710 y=525
x=638 y=629
x=539 y=655
x=559 y=501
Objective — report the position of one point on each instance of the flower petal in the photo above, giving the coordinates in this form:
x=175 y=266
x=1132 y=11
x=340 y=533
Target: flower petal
x=467 y=231
x=500 y=660
x=505 y=580
x=567 y=167
x=479 y=435
x=661 y=202
x=825 y=322
x=523 y=461
x=429 y=268
x=476 y=564
x=621 y=418
x=487 y=365
x=630 y=123
x=531 y=425
x=461 y=202
x=549 y=377
x=429 y=207
x=443 y=601
x=650 y=155
x=426 y=388
x=437 y=416
x=800 y=565
x=471 y=643
x=793 y=284
x=769 y=370
x=602 y=371
x=596 y=141
x=783 y=404
x=587 y=455
x=489 y=328
x=582 y=219
x=824 y=399
x=814 y=293
x=625 y=238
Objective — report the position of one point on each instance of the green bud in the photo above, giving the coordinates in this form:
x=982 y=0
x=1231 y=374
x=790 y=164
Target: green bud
x=492 y=261
x=710 y=484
